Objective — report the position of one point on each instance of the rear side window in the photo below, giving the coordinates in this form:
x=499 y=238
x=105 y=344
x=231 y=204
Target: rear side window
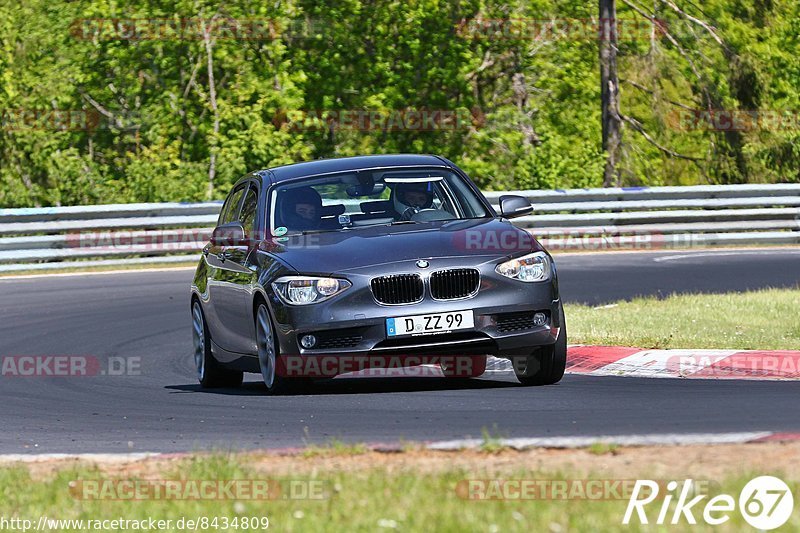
x=230 y=211
x=249 y=208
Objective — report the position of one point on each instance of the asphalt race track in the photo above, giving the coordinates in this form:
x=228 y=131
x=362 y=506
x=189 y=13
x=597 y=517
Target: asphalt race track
x=146 y=315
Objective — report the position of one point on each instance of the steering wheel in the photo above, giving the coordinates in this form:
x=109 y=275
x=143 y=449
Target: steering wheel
x=412 y=212
x=409 y=213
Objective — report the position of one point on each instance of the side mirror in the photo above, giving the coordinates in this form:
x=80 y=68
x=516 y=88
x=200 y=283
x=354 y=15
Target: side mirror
x=231 y=234
x=512 y=206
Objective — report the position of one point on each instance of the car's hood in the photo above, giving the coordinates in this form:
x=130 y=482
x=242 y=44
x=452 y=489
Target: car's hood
x=340 y=251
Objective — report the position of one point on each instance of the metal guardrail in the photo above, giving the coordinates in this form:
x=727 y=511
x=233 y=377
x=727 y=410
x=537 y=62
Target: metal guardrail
x=707 y=192
x=574 y=219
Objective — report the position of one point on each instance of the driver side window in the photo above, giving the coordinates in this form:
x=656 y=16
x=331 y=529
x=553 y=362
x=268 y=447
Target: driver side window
x=440 y=199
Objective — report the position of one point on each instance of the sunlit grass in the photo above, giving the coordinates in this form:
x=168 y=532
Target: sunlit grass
x=369 y=499
x=334 y=447
x=758 y=320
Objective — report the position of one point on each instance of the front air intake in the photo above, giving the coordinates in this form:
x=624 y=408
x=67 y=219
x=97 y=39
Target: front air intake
x=397 y=289
x=454 y=283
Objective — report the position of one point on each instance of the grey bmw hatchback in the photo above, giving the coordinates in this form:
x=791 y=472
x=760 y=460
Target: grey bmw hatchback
x=395 y=261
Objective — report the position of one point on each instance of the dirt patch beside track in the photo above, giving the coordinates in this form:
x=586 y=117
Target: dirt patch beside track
x=673 y=462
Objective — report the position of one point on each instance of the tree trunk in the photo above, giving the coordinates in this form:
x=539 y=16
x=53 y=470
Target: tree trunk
x=212 y=97
x=609 y=90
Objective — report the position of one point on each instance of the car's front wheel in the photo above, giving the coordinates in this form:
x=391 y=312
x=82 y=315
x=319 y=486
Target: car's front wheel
x=209 y=372
x=268 y=354
x=547 y=364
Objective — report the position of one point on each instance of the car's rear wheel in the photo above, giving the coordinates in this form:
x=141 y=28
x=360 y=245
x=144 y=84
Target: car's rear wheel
x=547 y=364
x=209 y=372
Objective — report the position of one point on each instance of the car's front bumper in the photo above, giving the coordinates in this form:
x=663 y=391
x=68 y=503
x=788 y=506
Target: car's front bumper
x=353 y=323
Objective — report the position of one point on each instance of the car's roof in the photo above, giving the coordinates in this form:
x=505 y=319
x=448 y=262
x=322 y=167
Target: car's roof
x=344 y=164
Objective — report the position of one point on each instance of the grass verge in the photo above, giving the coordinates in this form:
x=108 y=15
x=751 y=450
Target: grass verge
x=757 y=320
x=334 y=448
x=404 y=492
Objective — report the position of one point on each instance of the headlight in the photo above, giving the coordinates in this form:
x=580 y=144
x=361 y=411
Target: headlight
x=301 y=290
x=531 y=267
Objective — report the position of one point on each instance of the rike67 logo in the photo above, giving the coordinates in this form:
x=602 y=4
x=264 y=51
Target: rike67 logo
x=765 y=503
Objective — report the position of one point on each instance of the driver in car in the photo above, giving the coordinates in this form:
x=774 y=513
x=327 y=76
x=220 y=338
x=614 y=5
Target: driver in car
x=301 y=208
x=411 y=198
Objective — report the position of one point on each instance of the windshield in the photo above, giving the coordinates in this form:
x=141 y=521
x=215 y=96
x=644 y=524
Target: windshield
x=372 y=197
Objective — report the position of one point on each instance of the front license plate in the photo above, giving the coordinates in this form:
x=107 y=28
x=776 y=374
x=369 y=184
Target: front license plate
x=429 y=324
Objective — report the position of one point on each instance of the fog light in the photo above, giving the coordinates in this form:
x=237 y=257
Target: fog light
x=308 y=341
x=539 y=319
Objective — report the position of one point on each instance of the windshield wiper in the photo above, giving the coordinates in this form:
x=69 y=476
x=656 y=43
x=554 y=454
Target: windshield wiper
x=311 y=231
x=393 y=223
x=308 y=232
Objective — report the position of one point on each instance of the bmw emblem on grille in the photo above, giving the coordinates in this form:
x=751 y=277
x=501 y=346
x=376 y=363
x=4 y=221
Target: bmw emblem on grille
x=422 y=263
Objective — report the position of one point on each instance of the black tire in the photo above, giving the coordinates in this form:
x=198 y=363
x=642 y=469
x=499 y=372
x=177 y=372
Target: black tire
x=210 y=373
x=547 y=364
x=267 y=341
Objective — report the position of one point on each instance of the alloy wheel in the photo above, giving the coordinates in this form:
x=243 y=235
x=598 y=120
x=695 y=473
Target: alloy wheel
x=199 y=338
x=266 y=346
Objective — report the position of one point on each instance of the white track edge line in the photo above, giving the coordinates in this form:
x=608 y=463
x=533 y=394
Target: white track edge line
x=98 y=457
x=95 y=273
x=646 y=439
x=673 y=439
